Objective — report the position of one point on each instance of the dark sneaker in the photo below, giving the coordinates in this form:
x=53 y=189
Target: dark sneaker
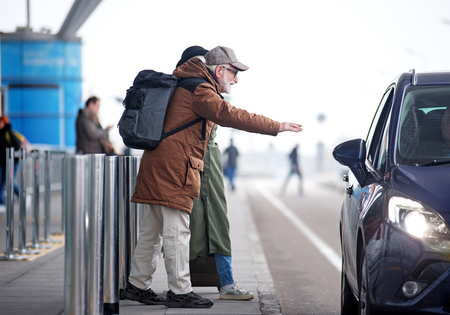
x=143 y=296
x=190 y=300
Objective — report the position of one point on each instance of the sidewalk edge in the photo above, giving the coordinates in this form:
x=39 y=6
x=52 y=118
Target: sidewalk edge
x=269 y=303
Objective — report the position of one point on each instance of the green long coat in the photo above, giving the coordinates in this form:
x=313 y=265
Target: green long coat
x=210 y=229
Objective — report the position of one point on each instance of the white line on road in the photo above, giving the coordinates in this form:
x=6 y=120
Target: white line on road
x=323 y=247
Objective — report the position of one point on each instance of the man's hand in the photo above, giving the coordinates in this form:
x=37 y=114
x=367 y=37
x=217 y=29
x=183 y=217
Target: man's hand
x=109 y=148
x=287 y=126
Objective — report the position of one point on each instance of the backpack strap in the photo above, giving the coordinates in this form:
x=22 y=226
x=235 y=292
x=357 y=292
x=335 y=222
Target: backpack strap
x=204 y=130
x=167 y=134
x=189 y=84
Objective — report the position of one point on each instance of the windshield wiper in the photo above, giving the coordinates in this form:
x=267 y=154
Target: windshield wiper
x=435 y=162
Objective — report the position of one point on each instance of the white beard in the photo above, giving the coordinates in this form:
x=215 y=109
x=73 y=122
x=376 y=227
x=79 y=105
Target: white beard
x=225 y=85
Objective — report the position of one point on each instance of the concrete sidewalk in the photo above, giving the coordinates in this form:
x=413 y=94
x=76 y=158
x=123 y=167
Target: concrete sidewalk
x=37 y=286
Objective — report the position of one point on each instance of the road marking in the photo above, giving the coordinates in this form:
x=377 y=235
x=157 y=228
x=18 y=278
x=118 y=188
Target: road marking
x=323 y=247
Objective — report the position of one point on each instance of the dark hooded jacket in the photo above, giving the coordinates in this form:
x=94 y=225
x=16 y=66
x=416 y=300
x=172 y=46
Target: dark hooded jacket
x=8 y=139
x=170 y=174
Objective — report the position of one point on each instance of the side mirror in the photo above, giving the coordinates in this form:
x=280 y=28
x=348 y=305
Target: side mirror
x=352 y=154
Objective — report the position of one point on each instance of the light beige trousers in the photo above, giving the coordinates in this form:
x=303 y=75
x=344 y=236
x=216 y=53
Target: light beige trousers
x=169 y=227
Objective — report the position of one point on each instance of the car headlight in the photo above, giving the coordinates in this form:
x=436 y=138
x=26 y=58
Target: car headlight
x=418 y=221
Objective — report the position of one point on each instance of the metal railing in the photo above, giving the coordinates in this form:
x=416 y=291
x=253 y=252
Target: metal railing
x=28 y=162
x=98 y=219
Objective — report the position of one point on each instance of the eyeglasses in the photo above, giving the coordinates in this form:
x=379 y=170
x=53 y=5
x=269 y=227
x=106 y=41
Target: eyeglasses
x=234 y=71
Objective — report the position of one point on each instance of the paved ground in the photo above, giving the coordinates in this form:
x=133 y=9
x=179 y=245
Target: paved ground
x=37 y=286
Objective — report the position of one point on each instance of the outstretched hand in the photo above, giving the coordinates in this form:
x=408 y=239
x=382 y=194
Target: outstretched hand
x=287 y=126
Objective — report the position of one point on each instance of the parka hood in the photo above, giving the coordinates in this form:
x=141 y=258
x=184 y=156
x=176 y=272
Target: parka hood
x=195 y=68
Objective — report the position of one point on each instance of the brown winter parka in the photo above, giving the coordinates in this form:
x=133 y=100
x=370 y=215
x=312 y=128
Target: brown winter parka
x=170 y=174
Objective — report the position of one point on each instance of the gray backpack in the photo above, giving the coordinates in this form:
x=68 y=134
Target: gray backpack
x=141 y=124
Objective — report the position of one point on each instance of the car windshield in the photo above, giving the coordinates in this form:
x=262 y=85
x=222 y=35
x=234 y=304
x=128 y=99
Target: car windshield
x=424 y=128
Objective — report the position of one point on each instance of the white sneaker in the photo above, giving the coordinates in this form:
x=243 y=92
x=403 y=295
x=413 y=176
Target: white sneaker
x=235 y=293
x=2 y=209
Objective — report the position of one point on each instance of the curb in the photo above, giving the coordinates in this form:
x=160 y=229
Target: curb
x=269 y=303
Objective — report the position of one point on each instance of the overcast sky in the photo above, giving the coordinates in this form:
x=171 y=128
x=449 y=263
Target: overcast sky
x=306 y=58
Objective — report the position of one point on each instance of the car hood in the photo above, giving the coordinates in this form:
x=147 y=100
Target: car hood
x=427 y=184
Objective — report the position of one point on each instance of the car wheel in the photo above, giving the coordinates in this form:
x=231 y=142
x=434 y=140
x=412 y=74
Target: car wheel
x=349 y=305
x=364 y=307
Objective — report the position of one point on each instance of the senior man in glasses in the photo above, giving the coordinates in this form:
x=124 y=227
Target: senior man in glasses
x=169 y=176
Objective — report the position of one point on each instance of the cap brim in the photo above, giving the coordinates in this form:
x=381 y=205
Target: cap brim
x=240 y=66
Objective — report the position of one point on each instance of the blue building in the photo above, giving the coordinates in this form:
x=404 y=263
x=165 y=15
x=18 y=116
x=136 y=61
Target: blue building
x=41 y=80
x=41 y=86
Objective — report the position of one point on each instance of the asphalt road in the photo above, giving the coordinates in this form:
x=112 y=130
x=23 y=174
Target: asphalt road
x=300 y=238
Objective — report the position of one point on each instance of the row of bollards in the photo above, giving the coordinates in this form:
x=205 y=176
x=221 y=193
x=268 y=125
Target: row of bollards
x=9 y=204
x=101 y=231
x=22 y=155
x=98 y=218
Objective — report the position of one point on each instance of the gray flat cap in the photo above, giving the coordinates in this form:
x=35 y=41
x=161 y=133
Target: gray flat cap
x=223 y=55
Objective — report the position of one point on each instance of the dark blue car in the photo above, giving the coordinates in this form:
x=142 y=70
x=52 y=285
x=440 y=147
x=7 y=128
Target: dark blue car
x=395 y=232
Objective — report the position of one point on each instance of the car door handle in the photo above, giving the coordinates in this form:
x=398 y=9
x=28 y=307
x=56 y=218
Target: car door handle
x=349 y=190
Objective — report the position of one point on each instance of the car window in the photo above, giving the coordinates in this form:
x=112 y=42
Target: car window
x=383 y=148
x=424 y=126
x=377 y=127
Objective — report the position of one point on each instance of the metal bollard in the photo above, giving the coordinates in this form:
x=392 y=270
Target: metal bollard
x=75 y=227
x=124 y=271
x=111 y=238
x=47 y=196
x=22 y=204
x=96 y=165
x=35 y=220
x=9 y=203
x=22 y=199
x=120 y=207
x=63 y=191
x=128 y=214
x=137 y=206
x=131 y=215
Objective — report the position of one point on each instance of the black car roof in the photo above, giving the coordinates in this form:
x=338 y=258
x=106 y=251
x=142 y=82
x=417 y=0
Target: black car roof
x=430 y=78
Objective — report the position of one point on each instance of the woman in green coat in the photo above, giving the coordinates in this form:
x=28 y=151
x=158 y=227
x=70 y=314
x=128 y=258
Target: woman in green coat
x=210 y=229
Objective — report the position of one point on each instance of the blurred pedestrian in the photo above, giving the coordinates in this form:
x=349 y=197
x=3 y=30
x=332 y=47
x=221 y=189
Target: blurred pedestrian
x=294 y=165
x=91 y=137
x=8 y=139
x=169 y=176
x=231 y=153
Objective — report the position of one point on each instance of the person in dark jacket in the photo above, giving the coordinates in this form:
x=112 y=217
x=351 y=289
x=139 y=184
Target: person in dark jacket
x=169 y=176
x=232 y=153
x=91 y=137
x=294 y=169
x=8 y=139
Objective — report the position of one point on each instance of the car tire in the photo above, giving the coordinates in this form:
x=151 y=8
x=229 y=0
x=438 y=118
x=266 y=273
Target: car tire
x=364 y=305
x=349 y=304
